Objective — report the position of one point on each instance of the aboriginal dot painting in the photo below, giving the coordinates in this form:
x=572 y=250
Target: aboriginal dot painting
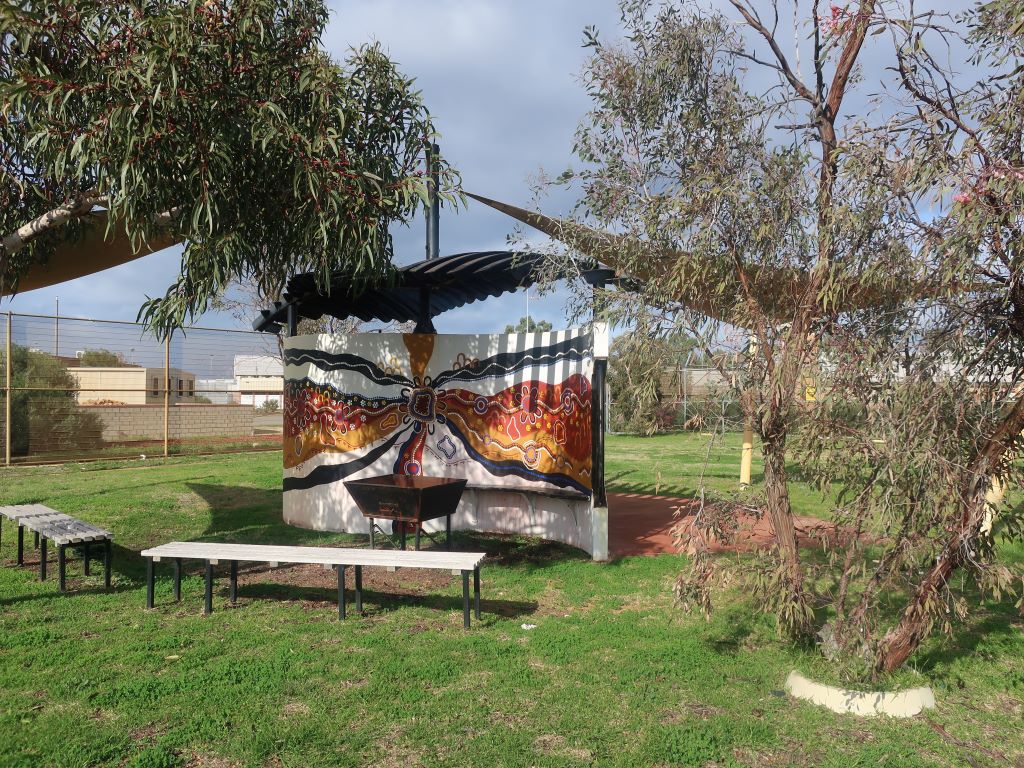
x=501 y=410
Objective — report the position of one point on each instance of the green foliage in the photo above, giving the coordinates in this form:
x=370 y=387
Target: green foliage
x=100 y=358
x=529 y=325
x=268 y=407
x=222 y=122
x=880 y=254
x=44 y=412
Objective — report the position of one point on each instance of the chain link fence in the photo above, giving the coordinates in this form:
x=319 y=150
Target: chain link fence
x=75 y=389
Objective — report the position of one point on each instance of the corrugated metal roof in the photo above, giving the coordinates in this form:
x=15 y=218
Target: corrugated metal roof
x=450 y=282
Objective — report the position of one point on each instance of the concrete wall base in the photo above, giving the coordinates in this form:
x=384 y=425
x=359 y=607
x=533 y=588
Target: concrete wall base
x=331 y=508
x=866 y=704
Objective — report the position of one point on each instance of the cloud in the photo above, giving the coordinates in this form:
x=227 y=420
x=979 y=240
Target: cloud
x=501 y=79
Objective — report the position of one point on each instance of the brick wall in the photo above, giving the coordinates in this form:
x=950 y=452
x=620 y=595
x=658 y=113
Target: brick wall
x=146 y=422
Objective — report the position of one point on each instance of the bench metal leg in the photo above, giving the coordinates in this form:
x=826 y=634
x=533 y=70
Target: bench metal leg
x=208 y=605
x=106 y=563
x=359 y=588
x=465 y=599
x=42 y=558
x=476 y=592
x=234 y=582
x=341 y=592
x=373 y=525
x=35 y=539
x=177 y=579
x=61 y=566
x=150 y=574
x=21 y=544
x=85 y=559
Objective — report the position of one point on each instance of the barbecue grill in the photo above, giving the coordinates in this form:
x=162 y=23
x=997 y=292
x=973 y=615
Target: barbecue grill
x=408 y=501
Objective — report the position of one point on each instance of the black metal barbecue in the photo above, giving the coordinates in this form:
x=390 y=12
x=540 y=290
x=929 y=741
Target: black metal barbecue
x=407 y=501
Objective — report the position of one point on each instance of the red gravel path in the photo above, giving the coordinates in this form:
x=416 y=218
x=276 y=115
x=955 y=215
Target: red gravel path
x=641 y=524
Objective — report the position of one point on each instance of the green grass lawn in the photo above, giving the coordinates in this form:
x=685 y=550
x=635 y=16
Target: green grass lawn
x=675 y=465
x=612 y=674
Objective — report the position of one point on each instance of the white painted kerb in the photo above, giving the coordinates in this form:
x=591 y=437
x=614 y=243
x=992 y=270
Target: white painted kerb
x=866 y=704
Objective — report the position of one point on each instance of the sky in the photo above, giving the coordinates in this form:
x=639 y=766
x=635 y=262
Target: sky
x=501 y=79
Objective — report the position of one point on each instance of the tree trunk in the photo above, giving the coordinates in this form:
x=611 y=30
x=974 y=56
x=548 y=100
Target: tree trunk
x=915 y=622
x=780 y=514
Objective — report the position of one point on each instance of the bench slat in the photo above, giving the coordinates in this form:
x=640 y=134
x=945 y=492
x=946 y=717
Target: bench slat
x=263 y=553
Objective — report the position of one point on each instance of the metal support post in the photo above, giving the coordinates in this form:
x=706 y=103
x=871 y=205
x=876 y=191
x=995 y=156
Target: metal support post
x=61 y=566
x=177 y=579
x=8 y=366
x=85 y=558
x=208 y=604
x=21 y=544
x=106 y=564
x=359 y=588
x=150 y=577
x=341 y=592
x=167 y=392
x=476 y=591
x=234 y=582
x=42 y=559
x=465 y=599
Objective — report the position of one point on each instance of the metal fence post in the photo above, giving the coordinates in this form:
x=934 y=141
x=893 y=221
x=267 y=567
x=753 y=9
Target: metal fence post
x=167 y=391
x=7 y=393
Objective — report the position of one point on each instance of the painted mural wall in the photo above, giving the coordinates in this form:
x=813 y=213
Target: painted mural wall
x=507 y=412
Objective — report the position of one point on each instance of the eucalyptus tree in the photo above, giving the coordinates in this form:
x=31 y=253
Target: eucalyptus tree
x=879 y=240
x=220 y=123
x=723 y=194
x=918 y=442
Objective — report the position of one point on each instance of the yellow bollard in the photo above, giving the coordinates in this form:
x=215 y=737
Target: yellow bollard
x=747 y=455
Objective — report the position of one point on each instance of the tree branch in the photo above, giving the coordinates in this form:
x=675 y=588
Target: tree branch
x=59 y=216
x=784 y=67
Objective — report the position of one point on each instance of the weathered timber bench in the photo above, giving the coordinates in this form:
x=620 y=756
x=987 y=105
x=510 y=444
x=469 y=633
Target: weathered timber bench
x=64 y=531
x=465 y=563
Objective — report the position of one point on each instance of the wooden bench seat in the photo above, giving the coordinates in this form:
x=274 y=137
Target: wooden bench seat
x=465 y=563
x=63 y=530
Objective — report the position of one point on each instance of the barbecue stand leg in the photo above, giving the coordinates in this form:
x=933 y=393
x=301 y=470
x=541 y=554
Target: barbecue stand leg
x=42 y=558
x=418 y=529
x=85 y=559
x=465 y=599
x=208 y=604
x=341 y=592
x=177 y=579
x=359 y=588
x=106 y=564
x=61 y=566
x=234 y=581
x=21 y=544
x=476 y=592
x=401 y=523
x=373 y=524
x=150 y=568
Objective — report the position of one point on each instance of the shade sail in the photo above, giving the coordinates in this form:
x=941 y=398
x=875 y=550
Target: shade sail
x=95 y=250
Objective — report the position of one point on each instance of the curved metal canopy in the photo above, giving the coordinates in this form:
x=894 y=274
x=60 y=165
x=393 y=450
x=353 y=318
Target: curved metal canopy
x=420 y=291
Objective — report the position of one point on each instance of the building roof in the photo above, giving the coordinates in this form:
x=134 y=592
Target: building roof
x=258 y=365
x=419 y=291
